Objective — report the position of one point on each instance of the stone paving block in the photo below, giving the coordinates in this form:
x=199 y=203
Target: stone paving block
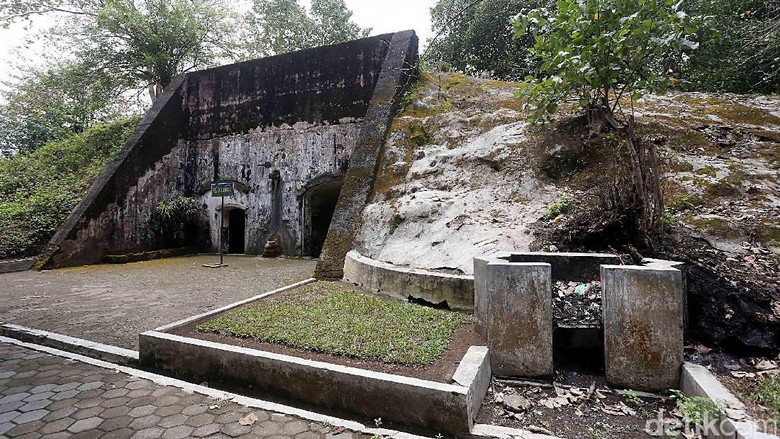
x=142 y=411
x=66 y=394
x=145 y=422
x=85 y=424
x=35 y=405
x=519 y=319
x=59 y=414
x=13 y=397
x=39 y=396
x=117 y=423
x=10 y=406
x=115 y=412
x=178 y=432
x=201 y=419
x=206 y=430
x=234 y=429
x=149 y=433
x=57 y=426
x=172 y=421
x=643 y=326
x=295 y=427
x=87 y=413
x=195 y=409
x=31 y=416
x=26 y=428
x=9 y=416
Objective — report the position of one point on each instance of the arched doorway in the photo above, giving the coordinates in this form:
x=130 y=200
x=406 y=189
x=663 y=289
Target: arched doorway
x=236 y=231
x=319 y=204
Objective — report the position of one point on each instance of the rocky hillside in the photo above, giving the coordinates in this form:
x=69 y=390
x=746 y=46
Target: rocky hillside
x=463 y=174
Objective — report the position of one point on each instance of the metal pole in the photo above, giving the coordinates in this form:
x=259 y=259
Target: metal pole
x=221 y=229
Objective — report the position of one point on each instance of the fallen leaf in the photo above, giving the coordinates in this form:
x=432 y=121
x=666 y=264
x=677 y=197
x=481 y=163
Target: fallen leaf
x=737 y=374
x=704 y=350
x=339 y=430
x=737 y=415
x=732 y=366
x=248 y=419
x=599 y=395
x=766 y=365
x=626 y=409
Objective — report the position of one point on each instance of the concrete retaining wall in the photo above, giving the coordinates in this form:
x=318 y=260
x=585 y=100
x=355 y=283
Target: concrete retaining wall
x=436 y=407
x=387 y=279
x=16 y=265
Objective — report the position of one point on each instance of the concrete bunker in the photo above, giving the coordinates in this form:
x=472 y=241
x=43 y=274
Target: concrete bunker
x=272 y=126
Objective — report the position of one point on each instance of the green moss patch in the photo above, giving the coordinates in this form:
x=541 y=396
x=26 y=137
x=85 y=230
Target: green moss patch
x=326 y=317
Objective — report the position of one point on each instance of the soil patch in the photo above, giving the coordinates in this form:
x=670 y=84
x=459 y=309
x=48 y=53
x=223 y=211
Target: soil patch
x=577 y=305
x=583 y=409
x=440 y=370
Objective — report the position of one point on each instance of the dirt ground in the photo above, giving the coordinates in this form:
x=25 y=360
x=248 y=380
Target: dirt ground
x=112 y=304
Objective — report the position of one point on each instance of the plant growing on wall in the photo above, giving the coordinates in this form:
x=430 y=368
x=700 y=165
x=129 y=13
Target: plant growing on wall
x=175 y=221
x=602 y=55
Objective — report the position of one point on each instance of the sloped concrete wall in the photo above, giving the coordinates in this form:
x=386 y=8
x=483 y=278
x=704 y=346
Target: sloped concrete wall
x=299 y=114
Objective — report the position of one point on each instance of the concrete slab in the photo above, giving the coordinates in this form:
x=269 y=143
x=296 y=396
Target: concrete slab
x=643 y=326
x=112 y=304
x=518 y=318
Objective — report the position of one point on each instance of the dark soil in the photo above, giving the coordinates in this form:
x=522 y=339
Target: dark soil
x=439 y=371
x=582 y=418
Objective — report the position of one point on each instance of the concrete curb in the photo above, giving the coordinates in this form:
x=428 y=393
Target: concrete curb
x=698 y=381
x=456 y=289
x=113 y=354
x=219 y=394
x=16 y=265
x=494 y=431
x=448 y=408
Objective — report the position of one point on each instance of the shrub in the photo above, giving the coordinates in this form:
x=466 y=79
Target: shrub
x=175 y=221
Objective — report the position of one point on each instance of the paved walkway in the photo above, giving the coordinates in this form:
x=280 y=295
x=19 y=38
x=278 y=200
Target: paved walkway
x=112 y=304
x=45 y=396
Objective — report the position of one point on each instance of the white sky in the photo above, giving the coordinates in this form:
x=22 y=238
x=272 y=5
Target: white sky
x=383 y=16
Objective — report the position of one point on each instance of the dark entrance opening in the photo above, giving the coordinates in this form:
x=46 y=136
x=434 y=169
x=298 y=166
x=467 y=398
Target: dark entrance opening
x=320 y=204
x=236 y=231
x=579 y=349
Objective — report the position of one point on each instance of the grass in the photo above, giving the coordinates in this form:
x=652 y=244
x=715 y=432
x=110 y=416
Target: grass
x=326 y=317
x=769 y=395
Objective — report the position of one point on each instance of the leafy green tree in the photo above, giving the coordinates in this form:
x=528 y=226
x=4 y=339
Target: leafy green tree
x=281 y=26
x=146 y=43
x=476 y=37
x=743 y=54
x=602 y=55
x=50 y=104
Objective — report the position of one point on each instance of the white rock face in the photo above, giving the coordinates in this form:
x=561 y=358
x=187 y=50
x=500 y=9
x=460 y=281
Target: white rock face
x=468 y=193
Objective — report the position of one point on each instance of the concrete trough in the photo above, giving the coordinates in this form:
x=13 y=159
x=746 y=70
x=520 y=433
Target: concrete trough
x=432 y=406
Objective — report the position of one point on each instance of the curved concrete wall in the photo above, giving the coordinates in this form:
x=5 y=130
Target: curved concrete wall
x=400 y=282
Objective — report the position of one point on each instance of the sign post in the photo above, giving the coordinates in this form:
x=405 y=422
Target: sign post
x=221 y=189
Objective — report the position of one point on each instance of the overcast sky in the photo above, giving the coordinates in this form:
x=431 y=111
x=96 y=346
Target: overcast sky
x=382 y=16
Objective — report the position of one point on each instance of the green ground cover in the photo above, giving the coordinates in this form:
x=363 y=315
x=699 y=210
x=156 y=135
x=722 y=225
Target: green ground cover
x=38 y=190
x=327 y=317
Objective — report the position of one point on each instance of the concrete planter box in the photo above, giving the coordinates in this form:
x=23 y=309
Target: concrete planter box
x=455 y=289
x=433 y=406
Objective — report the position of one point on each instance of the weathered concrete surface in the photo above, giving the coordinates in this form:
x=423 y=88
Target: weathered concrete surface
x=480 y=294
x=298 y=154
x=643 y=326
x=16 y=265
x=42 y=395
x=424 y=404
x=474 y=372
x=397 y=73
x=112 y=304
x=233 y=123
x=437 y=288
x=577 y=267
x=519 y=319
